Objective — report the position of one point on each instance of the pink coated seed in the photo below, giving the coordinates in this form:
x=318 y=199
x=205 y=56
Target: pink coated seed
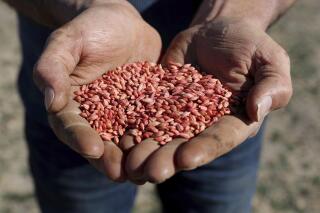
x=152 y=101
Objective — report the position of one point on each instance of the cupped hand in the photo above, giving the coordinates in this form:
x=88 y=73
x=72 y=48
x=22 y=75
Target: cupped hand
x=100 y=38
x=250 y=63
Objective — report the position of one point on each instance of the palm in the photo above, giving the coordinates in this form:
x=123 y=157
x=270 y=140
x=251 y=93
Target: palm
x=235 y=54
x=98 y=40
x=108 y=42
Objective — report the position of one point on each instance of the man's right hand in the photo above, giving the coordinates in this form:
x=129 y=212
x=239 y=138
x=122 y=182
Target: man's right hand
x=100 y=38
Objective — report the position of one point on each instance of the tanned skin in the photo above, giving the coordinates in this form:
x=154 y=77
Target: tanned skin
x=227 y=38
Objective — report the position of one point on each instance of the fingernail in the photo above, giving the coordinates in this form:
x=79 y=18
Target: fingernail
x=263 y=106
x=48 y=97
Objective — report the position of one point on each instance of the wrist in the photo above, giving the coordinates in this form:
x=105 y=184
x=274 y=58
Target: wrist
x=119 y=4
x=260 y=13
x=63 y=11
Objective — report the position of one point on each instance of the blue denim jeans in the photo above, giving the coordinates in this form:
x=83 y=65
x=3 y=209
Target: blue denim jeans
x=66 y=183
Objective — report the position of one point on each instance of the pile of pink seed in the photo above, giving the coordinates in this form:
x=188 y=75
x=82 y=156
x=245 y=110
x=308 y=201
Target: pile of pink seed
x=151 y=101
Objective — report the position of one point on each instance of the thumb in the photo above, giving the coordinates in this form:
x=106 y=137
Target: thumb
x=51 y=73
x=272 y=88
x=180 y=49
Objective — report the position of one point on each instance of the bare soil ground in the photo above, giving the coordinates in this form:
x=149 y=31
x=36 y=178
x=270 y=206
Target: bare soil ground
x=289 y=179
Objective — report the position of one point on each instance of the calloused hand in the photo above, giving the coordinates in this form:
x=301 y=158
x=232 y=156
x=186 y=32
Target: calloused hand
x=100 y=38
x=246 y=59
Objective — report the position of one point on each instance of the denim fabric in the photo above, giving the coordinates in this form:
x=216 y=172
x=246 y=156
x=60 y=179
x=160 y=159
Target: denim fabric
x=66 y=183
x=226 y=185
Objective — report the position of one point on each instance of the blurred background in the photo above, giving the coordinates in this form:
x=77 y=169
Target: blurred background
x=289 y=179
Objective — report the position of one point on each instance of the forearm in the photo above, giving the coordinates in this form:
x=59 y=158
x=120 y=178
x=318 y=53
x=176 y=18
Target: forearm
x=54 y=13
x=261 y=12
x=49 y=12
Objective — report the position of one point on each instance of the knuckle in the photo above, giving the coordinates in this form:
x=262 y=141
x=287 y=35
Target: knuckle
x=93 y=152
x=285 y=93
x=153 y=177
x=254 y=133
x=36 y=70
x=116 y=178
x=181 y=36
x=282 y=56
x=185 y=35
x=285 y=55
x=187 y=161
x=288 y=92
x=59 y=34
x=159 y=175
x=37 y=74
x=39 y=68
x=287 y=89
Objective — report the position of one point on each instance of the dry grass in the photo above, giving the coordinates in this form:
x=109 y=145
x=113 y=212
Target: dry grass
x=289 y=180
